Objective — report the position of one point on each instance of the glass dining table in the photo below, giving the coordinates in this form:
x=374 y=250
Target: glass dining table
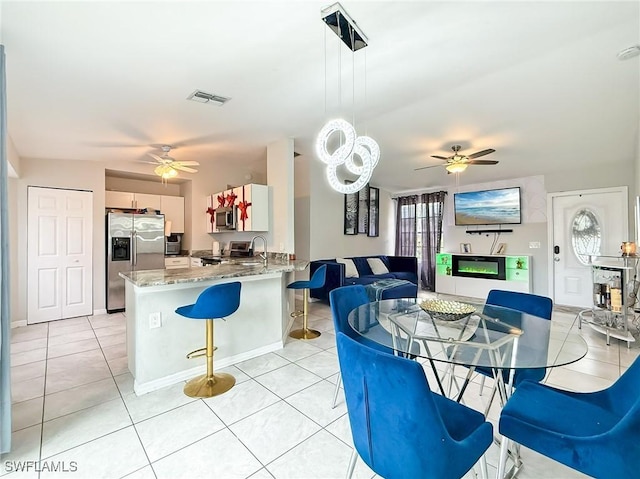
x=494 y=338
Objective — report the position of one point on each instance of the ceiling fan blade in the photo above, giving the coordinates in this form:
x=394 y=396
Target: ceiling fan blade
x=439 y=157
x=187 y=163
x=483 y=162
x=478 y=154
x=425 y=167
x=184 y=168
x=156 y=157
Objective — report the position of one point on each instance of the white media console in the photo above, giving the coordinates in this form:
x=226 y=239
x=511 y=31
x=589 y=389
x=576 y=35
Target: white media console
x=475 y=275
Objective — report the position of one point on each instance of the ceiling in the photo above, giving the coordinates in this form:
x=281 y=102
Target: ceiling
x=537 y=81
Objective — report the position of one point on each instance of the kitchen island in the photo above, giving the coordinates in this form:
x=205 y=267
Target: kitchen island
x=158 y=339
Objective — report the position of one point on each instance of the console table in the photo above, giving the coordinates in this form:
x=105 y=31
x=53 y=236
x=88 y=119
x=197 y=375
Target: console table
x=476 y=275
x=614 y=293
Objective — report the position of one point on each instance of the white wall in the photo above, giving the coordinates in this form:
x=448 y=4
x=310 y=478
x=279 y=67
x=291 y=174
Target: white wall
x=326 y=221
x=87 y=175
x=79 y=175
x=280 y=177
x=534 y=226
x=13 y=159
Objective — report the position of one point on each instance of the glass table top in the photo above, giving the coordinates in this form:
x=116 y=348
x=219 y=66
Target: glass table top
x=487 y=337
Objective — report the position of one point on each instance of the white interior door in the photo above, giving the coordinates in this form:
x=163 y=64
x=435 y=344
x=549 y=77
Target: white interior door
x=584 y=222
x=59 y=254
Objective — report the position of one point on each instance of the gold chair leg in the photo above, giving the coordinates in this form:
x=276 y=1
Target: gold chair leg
x=210 y=384
x=305 y=332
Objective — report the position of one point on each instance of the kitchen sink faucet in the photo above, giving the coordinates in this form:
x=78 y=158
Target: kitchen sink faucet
x=264 y=242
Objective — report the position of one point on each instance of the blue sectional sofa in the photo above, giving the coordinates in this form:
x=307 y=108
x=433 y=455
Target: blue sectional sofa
x=400 y=267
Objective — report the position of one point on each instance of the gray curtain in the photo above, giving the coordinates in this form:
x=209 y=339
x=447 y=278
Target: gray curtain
x=5 y=366
x=431 y=231
x=406 y=226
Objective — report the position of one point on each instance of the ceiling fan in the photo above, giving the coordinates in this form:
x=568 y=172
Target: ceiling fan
x=168 y=166
x=457 y=163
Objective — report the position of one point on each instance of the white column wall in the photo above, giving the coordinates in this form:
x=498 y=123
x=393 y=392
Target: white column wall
x=280 y=177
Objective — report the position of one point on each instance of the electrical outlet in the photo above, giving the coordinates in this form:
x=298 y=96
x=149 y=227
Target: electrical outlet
x=534 y=244
x=155 y=320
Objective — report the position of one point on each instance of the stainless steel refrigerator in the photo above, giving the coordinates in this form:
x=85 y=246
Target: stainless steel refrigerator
x=134 y=243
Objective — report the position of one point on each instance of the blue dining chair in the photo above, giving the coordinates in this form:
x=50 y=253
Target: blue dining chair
x=595 y=433
x=400 y=428
x=527 y=303
x=345 y=299
x=316 y=281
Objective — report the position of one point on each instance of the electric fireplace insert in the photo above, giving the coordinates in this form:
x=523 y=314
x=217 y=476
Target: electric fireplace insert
x=489 y=267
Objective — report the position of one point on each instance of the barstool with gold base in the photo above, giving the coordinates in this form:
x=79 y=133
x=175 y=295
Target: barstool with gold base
x=215 y=302
x=316 y=281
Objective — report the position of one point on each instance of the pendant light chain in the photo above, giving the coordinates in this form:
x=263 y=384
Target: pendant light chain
x=353 y=78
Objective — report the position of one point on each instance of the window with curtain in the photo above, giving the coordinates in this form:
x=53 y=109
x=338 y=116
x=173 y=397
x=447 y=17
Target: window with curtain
x=419 y=232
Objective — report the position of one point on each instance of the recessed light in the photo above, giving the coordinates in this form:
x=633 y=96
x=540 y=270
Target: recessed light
x=630 y=52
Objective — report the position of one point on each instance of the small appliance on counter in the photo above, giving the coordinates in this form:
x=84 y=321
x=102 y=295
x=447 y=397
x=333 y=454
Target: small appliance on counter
x=173 y=244
x=240 y=249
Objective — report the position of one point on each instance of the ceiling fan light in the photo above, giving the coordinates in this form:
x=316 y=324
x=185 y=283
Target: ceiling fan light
x=456 y=167
x=169 y=173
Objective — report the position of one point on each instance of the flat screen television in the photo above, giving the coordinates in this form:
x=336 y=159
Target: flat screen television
x=488 y=207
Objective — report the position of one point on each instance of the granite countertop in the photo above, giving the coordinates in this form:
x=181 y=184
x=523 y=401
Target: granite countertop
x=159 y=277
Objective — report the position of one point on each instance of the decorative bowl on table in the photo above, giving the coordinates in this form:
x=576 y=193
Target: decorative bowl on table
x=447 y=310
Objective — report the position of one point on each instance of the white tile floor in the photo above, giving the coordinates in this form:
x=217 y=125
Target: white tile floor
x=74 y=401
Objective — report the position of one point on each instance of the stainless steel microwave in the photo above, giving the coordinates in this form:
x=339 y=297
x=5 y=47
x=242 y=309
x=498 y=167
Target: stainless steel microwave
x=226 y=218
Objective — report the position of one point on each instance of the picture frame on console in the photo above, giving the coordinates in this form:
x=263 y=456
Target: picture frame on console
x=502 y=248
x=465 y=247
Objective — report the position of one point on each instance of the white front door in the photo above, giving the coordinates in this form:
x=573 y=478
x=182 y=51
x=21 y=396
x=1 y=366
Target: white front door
x=59 y=254
x=589 y=222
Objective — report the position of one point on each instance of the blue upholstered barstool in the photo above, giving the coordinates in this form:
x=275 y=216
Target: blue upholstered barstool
x=316 y=281
x=215 y=302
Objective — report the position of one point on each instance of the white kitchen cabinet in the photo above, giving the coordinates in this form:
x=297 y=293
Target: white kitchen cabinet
x=172 y=207
x=128 y=200
x=176 y=262
x=253 y=208
x=118 y=199
x=196 y=262
x=143 y=200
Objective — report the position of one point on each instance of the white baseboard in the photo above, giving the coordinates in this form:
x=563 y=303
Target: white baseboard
x=149 y=386
x=98 y=312
x=18 y=324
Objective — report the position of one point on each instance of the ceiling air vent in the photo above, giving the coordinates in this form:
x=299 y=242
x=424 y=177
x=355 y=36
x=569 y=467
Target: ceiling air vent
x=204 y=97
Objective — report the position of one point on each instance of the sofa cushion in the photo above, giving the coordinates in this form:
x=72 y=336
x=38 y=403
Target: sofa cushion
x=350 y=270
x=362 y=265
x=377 y=266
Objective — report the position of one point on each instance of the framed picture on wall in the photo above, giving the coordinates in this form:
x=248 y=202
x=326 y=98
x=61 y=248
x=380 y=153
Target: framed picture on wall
x=374 y=211
x=363 y=210
x=351 y=214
